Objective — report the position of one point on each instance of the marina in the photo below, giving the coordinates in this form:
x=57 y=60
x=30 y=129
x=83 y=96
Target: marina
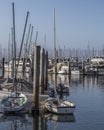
x=84 y=90
x=46 y=85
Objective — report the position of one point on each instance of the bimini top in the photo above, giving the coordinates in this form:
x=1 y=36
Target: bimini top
x=97 y=60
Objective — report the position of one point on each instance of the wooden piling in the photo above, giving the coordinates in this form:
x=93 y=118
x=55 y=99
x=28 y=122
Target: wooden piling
x=36 y=80
x=97 y=70
x=69 y=69
x=23 y=68
x=83 y=68
x=3 y=68
x=41 y=82
x=46 y=71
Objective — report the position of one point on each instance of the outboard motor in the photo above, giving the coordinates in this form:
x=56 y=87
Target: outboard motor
x=52 y=94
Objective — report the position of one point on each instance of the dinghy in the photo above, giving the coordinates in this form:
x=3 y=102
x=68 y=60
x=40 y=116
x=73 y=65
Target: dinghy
x=54 y=105
x=14 y=102
x=62 y=107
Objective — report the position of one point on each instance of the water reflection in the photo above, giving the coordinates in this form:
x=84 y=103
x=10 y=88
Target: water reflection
x=77 y=79
x=61 y=118
x=60 y=79
x=39 y=122
x=13 y=122
x=88 y=113
x=36 y=122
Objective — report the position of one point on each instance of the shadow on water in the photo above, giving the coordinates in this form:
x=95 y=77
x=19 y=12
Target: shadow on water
x=60 y=118
x=36 y=122
x=39 y=122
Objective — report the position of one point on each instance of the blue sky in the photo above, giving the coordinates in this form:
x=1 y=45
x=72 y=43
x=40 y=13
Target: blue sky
x=78 y=22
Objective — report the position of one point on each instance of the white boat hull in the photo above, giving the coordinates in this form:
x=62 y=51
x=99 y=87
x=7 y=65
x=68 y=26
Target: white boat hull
x=75 y=72
x=63 y=108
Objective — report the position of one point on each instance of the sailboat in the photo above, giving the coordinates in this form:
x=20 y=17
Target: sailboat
x=53 y=104
x=16 y=101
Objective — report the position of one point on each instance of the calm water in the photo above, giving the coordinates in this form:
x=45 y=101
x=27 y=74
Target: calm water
x=88 y=95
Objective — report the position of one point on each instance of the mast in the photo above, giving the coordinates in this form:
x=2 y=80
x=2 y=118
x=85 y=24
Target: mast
x=8 y=54
x=14 y=42
x=30 y=39
x=36 y=38
x=27 y=41
x=45 y=41
x=12 y=53
x=55 y=59
x=26 y=52
x=22 y=40
x=55 y=49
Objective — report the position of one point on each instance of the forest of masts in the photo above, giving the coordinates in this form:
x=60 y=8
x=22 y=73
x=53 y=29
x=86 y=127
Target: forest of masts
x=62 y=53
x=26 y=46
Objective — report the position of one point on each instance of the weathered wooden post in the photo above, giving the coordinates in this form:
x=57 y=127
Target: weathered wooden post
x=36 y=80
x=69 y=69
x=97 y=70
x=23 y=68
x=3 y=68
x=31 y=76
x=41 y=83
x=46 y=71
x=83 y=68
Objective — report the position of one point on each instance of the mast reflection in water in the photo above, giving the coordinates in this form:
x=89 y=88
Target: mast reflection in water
x=88 y=95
